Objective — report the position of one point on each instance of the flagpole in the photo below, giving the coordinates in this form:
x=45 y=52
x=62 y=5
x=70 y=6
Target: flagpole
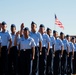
x=54 y=22
x=54 y=26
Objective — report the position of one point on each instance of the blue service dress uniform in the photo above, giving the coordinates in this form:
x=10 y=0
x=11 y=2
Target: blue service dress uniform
x=13 y=57
x=74 y=61
x=0 y=57
x=70 y=62
x=49 y=68
x=5 y=37
x=43 y=56
x=57 y=58
x=64 y=58
x=26 y=45
x=37 y=38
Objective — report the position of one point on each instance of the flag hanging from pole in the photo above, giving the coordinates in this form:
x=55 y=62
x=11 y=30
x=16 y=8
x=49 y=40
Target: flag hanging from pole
x=57 y=22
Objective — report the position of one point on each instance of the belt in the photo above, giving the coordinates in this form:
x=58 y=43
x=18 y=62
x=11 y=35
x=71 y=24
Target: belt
x=36 y=47
x=43 y=47
x=13 y=46
x=57 y=50
x=25 y=50
x=51 y=48
x=4 y=46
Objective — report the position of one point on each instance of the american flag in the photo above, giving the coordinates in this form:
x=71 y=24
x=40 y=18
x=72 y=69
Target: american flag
x=57 y=22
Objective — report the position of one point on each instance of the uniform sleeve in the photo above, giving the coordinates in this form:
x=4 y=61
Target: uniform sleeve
x=0 y=40
x=40 y=37
x=18 y=38
x=61 y=43
x=29 y=33
x=18 y=41
x=68 y=44
x=73 y=47
x=53 y=40
x=9 y=36
x=33 y=43
x=47 y=38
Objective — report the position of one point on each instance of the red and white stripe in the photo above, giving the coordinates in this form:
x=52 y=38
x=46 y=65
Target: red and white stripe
x=57 y=22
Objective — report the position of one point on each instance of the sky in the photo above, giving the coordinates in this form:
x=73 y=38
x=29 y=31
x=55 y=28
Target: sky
x=41 y=12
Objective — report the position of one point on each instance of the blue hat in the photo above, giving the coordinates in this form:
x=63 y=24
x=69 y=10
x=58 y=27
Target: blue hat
x=67 y=35
x=33 y=23
x=72 y=38
x=13 y=25
x=41 y=25
x=4 y=23
x=61 y=33
x=54 y=31
x=26 y=28
x=48 y=29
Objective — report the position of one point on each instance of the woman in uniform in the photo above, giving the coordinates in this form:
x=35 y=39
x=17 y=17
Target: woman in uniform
x=27 y=52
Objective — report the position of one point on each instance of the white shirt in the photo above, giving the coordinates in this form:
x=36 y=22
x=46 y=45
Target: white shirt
x=26 y=43
x=58 y=44
x=5 y=37
x=37 y=37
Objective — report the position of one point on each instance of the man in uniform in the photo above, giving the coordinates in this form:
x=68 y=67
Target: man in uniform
x=0 y=48
x=71 y=55
x=13 y=55
x=59 y=47
x=49 y=69
x=74 y=61
x=45 y=50
x=65 y=53
x=27 y=52
x=20 y=32
x=0 y=26
x=5 y=37
x=38 y=40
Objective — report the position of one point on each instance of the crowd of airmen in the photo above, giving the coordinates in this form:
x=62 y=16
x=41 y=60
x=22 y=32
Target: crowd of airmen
x=28 y=52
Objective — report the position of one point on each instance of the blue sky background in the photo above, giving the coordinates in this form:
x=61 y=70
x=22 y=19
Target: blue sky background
x=41 y=12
